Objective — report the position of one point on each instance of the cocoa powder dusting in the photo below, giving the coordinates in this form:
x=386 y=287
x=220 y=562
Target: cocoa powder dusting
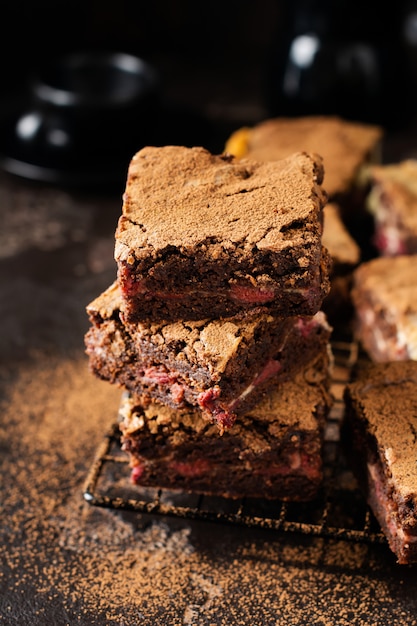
x=64 y=562
x=96 y=566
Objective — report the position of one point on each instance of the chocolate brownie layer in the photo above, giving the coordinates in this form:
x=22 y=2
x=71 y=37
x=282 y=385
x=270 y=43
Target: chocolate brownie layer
x=384 y=297
x=274 y=451
x=393 y=203
x=380 y=433
x=346 y=147
x=208 y=236
x=221 y=366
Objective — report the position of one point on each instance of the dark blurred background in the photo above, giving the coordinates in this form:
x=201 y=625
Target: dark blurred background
x=228 y=63
x=212 y=57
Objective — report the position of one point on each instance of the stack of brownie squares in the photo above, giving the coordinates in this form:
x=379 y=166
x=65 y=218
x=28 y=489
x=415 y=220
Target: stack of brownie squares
x=214 y=329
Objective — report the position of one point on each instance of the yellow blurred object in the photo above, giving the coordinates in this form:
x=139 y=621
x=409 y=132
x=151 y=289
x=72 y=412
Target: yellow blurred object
x=237 y=144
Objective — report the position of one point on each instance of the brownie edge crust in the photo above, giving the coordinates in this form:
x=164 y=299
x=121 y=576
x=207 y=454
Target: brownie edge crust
x=379 y=436
x=205 y=235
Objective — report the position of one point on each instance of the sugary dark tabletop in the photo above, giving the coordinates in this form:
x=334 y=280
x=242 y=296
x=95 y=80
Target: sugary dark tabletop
x=67 y=562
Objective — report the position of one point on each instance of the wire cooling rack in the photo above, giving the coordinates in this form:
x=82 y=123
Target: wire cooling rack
x=339 y=511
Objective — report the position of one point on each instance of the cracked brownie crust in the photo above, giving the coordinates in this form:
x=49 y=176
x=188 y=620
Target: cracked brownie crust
x=380 y=435
x=274 y=451
x=203 y=235
x=220 y=366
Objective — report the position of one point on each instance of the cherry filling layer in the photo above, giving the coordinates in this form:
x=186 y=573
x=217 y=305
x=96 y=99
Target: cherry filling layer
x=225 y=415
x=162 y=378
x=388 y=241
x=297 y=464
x=305 y=466
x=307 y=326
x=251 y=294
x=191 y=469
x=137 y=473
x=271 y=368
x=248 y=294
x=209 y=400
x=385 y=510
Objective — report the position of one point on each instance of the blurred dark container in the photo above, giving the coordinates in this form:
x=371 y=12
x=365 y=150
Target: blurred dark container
x=86 y=114
x=97 y=99
x=342 y=58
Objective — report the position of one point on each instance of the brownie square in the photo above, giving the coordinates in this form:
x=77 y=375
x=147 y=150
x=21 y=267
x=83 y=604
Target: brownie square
x=208 y=236
x=392 y=201
x=346 y=255
x=219 y=366
x=274 y=451
x=384 y=296
x=379 y=433
x=347 y=149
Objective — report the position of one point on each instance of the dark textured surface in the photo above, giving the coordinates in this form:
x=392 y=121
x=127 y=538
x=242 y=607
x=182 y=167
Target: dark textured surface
x=65 y=562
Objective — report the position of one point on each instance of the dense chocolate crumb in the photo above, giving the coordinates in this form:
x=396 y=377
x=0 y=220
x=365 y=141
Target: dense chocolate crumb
x=68 y=562
x=275 y=450
x=381 y=438
x=65 y=562
x=203 y=235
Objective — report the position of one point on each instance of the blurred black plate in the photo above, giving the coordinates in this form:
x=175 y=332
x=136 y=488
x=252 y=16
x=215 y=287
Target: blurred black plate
x=75 y=167
x=103 y=165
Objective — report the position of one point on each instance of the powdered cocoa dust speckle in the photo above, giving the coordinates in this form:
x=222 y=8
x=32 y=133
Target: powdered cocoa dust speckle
x=69 y=562
x=65 y=562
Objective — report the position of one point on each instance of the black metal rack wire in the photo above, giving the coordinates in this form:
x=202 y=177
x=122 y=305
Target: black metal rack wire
x=339 y=511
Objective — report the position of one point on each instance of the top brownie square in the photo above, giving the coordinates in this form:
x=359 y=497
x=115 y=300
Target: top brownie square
x=205 y=235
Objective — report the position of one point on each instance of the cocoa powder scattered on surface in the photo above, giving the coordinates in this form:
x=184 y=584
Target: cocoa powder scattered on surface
x=65 y=562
